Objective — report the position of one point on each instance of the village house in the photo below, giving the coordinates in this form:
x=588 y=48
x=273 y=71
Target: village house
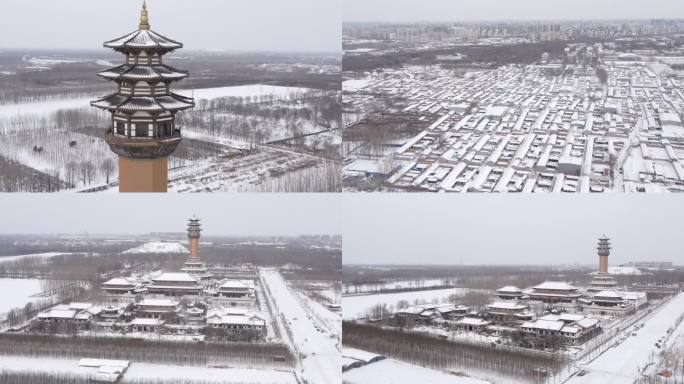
x=572 y=328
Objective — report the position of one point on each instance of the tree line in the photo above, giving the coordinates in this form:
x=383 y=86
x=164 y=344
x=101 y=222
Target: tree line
x=144 y=351
x=440 y=354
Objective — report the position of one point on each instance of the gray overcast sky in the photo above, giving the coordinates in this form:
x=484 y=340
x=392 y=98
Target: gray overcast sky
x=235 y=25
x=470 y=10
x=510 y=229
x=221 y=214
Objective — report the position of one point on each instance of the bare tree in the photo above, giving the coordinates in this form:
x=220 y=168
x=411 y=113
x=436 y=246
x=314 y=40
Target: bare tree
x=107 y=168
x=87 y=172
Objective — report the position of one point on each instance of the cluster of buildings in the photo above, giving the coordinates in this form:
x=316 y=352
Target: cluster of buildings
x=196 y=300
x=537 y=128
x=551 y=309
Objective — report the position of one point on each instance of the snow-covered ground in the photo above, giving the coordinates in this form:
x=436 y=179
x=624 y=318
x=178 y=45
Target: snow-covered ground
x=152 y=371
x=398 y=284
x=241 y=174
x=45 y=255
x=624 y=271
x=391 y=371
x=253 y=90
x=320 y=357
x=331 y=320
x=354 y=307
x=44 y=108
x=621 y=364
x=355 y=85
x=213 y=375
x=158 y=247
x=16 y=293
x=23 y=129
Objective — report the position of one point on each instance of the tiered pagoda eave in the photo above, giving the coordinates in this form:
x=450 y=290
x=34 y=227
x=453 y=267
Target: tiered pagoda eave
x=143 y=108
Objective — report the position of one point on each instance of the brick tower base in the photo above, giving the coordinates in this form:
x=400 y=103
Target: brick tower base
x=143 y=175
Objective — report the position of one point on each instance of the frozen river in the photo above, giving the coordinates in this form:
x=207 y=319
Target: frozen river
x=16 y=293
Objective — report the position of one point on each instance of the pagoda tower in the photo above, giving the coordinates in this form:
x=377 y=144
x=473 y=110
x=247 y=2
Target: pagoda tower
x=603 y=252
x=603 y=280
x=194 y=266
x=143 y=131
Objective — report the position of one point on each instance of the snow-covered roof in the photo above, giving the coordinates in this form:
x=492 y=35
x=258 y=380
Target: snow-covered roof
x=118 y=281
x=544 y=324
x=505 y=305
x=83 y=316
x=80 y=306
x=227 y=311
x=414 y=310
x=143 y=39
x=143 y=72
x=174 y=276
x=567 y=317
x=360 y=355
x=587 y=322
x=103 y=362
x=348 y=362
x=172 y=102
x=94 y=310
x=247 y=319
x=608 y=294
x=570 y=329
x=473 y=321
x=450 y=308
x=555 y=286
x=509 y=289
x=235 y=284
x=58 y=313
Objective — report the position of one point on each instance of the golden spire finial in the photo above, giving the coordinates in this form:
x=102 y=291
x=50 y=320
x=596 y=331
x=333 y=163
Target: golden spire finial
x=144 y=17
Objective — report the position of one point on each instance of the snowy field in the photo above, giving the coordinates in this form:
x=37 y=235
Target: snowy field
x=354 y=307
x=45 y=255
x=253 y=90
x=152 y=371
x=620 y=364
x=45 y=108
x=158 y=247
x=16 y=293
x=398 y=284
x=23 y=129
x=390 y=371
x=355 y=85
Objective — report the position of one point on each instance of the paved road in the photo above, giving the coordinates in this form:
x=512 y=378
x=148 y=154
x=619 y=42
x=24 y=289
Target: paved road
x=320 y=358
x=621 y=364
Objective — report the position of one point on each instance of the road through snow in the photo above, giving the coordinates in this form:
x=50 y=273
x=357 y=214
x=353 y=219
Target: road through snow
x=621 y=364
x=320 y=357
